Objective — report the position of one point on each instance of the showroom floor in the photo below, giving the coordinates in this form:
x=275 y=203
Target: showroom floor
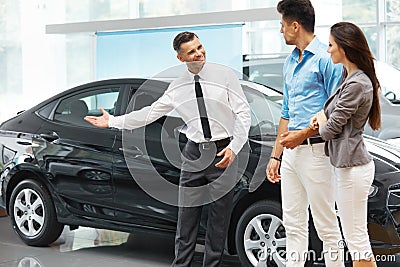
x=98 y=248
x=92 y=248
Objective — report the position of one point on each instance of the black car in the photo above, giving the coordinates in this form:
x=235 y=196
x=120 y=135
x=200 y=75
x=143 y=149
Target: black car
x=57 y=170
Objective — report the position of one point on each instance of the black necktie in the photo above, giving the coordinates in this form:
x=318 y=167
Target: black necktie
x=202 y=109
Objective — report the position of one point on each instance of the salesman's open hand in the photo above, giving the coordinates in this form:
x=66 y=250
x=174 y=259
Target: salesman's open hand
x=101 y=121
x=228 y=158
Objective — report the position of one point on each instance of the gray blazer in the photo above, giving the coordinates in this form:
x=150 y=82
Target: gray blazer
x=347 y=111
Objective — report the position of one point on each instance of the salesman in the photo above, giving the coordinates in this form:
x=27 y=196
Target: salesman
x=211 y=102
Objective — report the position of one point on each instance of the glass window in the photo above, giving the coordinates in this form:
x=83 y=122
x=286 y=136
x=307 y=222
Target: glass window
x=393 y=45
x=79 y=51
x=91 y=10
x=371 y=34
x=360 y=11
x=265 y=69
x=389 y=79
x=264 y=37
x=393 y=10
x=10 y=58
x=144 y=94
x=47 y=110
x=265 y=113
x=73 y=109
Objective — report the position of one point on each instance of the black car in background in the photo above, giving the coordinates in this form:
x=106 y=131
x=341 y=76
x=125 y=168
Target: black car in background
x=58 y=170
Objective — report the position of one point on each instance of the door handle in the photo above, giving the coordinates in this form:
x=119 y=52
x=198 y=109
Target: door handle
x=50 y=137
x=131 y=151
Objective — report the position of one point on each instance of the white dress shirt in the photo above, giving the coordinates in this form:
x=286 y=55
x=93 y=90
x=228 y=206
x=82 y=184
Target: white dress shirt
x=228 y=111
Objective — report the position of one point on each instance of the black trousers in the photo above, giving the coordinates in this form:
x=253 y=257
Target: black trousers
x=201 y=183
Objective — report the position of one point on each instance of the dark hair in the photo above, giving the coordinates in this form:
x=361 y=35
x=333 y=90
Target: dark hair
x=351 y=39
x=181 y=38
x=301 y=11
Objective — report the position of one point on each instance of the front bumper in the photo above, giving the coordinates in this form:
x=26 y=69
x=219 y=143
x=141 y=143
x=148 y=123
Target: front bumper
x=384 y=219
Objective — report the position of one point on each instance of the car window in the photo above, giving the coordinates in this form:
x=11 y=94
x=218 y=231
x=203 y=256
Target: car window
x=265 y=69
x=270 y=75
x=141 y=99
x=144 y=94
x=46 y=111
x=73 y=109
x=265 y=113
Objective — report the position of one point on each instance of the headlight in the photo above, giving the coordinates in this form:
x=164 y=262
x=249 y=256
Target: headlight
x=8 y=154
x=373 y=190
x=393 y=203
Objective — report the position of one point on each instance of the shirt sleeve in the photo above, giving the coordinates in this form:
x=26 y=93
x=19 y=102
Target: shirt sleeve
x=144 y=116
x=240 y=107
x=285 y=106
x=332 y=76
x=348 y=102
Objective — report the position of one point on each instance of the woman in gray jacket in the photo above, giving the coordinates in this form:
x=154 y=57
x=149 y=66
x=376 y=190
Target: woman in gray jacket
x=341 y=124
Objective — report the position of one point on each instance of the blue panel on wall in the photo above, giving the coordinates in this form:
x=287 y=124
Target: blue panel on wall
x=147 y=53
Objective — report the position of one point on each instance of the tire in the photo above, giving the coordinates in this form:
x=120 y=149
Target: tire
x=33 y=215
x=260 y=235
x=28 y=261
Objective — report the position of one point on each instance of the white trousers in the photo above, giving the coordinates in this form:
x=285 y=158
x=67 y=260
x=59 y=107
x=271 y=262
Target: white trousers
x=307 y=181
x=353 y=185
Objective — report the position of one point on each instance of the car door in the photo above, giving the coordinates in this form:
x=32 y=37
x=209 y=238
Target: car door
x=147 y=164
x=77 y=157
x=265 y=114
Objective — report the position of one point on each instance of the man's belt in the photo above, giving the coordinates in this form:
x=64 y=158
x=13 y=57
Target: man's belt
x=219 y=143
x=313 y=140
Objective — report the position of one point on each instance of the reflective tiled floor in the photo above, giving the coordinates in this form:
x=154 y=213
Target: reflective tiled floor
x=93 y=248
x=99 y=248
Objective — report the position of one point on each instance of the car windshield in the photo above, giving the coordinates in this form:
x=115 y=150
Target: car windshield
x=265 y=69
x=265 y=106
x=389 y=79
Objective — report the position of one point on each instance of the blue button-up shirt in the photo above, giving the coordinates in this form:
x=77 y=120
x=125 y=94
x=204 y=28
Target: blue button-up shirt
x=308 y=83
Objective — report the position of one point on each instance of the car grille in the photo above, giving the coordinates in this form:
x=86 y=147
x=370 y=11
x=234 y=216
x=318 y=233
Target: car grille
x=393 y=203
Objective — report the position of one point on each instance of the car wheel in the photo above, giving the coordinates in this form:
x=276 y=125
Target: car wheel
x=33 y=215
x=260 y=235
x=29 y=262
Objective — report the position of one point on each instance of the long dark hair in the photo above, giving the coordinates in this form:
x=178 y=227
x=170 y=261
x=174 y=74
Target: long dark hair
x=351 y=39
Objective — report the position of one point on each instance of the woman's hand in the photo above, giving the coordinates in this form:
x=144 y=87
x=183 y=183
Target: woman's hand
x=314 y=123
x=321 y=118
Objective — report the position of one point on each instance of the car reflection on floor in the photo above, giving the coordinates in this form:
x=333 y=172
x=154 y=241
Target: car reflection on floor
x=89 y=237
x=91 y=247
x=94 y=247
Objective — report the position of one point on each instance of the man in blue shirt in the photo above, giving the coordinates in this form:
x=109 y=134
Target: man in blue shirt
x=309 y=79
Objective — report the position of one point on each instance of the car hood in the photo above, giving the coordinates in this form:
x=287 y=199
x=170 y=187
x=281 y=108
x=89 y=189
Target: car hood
x=383 y=150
